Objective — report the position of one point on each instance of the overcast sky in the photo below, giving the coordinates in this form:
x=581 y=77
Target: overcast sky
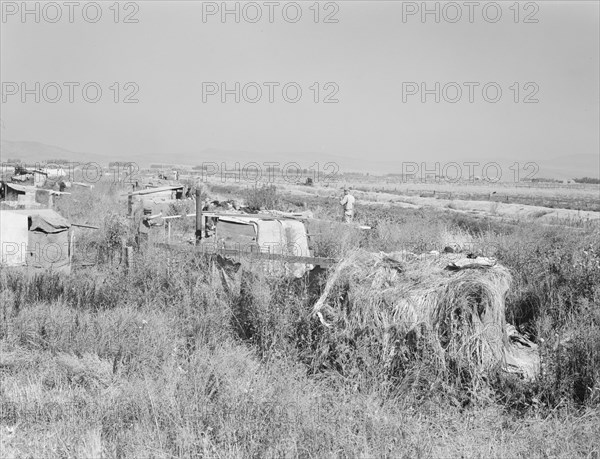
x=368 y=54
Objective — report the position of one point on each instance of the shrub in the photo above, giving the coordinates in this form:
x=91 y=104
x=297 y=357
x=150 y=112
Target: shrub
x=262 y=197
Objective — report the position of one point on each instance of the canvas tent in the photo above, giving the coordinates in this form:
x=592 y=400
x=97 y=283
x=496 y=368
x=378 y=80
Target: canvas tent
x=244 y=235
x=36 y=239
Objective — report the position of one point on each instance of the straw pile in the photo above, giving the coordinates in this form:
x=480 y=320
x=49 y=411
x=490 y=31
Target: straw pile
x=385 y=301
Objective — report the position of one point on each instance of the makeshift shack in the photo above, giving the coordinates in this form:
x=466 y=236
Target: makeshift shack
x=397 y=305
x=245 y=235
x=159 y=194
x=37 y=239
x=29 y=196
x=19 y=193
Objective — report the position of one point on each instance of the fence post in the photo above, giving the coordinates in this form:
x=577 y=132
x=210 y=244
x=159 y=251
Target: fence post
x=198 y=216
x=129 y=257
x=129 y=204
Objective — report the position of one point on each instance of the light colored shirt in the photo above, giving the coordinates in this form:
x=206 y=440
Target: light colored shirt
x=348 y=203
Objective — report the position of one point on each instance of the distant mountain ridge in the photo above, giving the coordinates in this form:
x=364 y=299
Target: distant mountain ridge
x=563 y=167
x=28 y=151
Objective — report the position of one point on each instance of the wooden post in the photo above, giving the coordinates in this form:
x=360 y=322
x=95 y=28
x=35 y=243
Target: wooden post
x=129 y=204
x=198 y=216
x=71 y=246
x=168 y=230
x=123 y=252
x=50 y=200
x=128 y=257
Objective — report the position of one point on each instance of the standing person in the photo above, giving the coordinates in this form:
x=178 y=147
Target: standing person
x=144 y=228
x=347 y=203
x=145 y=224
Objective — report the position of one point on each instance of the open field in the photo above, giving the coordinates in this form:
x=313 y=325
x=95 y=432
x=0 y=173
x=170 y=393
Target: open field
x=328 y=193
x=574 y=196
x=161 y=360
x=571 y=196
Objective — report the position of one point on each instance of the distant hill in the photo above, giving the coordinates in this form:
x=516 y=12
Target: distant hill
x=36 y=152
x=570 y=166
x=562 y=167
x=559 y=168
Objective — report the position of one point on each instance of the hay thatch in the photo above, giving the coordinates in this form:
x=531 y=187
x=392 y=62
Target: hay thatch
x=381 y=299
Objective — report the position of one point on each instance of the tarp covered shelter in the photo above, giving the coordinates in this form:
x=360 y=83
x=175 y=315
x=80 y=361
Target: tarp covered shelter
x=36 y=239
x=39 y=178
x=273 y=236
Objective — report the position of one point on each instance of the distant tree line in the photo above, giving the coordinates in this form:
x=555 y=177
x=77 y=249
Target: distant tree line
x=591 y=180
x=119 y=164
x=265 y=169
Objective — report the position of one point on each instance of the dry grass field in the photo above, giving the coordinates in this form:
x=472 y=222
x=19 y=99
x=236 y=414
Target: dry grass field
x=572 y=205
x=575 y=196
x=568 y=196
x=162 y=360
